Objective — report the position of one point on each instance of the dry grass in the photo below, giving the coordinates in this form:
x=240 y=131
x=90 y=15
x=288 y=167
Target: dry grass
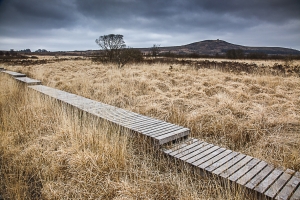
x=48 y=152
x=253 y=114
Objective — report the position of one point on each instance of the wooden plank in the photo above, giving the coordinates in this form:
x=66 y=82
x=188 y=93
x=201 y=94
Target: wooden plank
x=210 y=156
x=236 y=167
x=14 y=74
x=244 y=179
x=279 y=183
x=160 y=127
x=214 y=159
x=221 y=161
x=157 y=126
x=203 y=154
x=180 y=145
x=228 y=164
x=259 y=177
x=194 y=151
x=138 y=126
x=202 y=147
x=191 y=157
x=28 y=81
x=235 y=176
x=288 y=189
x=172 y=136
x=159 y=133
x=267 y=182
x=296 y=195
x=192 y=145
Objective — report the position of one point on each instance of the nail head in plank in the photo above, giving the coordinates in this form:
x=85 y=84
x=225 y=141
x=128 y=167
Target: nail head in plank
x=228 y=164
x=245 y=169
x=278 y=184
x=264 y=185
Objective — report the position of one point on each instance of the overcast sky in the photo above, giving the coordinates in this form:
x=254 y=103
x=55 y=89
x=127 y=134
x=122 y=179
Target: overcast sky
x=75 y=24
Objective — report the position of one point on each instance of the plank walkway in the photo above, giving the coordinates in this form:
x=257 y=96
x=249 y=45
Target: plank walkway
x=255 y=175
x=159 y=131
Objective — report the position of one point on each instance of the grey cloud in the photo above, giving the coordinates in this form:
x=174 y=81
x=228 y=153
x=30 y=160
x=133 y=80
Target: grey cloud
x=143 y=22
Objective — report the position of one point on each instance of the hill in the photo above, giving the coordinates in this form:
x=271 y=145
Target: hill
x=212 y=47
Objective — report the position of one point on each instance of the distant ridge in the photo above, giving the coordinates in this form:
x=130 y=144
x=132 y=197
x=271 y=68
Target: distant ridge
x=212 y=47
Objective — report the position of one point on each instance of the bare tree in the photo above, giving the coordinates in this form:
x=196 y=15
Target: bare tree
x=115 y=50
x=155 y=50
x=112 y=45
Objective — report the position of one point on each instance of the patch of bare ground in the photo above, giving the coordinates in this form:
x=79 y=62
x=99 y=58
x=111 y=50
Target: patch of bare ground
x=48 y=152
x=258 y=115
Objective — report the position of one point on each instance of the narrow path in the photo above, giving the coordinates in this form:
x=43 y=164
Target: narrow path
x=259 y=177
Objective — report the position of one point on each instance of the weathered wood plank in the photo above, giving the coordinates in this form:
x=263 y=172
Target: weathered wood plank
x=209 y=156
x=159 y=127
x=288 y=189
x=268 y=181
x=28 y=81
x=221 y=161
x=235 y=176
x=199 y=153
x=259 y=177
x=172 y=136
x=14 y=74
x=192 y=145
x=247 y=177
x=198 y=158
x=192 y=151
x=228 y=164
x=296 y=195
x=214 y=159
x=178 y=146
x=279 y=183
x=159 y=133
x=236 y=167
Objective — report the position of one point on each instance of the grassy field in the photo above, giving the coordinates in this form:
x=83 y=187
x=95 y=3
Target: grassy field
x=258 y=115
x=48 y=152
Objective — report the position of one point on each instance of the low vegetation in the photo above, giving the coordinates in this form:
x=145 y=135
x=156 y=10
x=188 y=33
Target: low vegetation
x=251 y=113
x=48 y=152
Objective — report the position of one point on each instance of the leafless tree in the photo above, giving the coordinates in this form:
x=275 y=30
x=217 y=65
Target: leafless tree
x=115 y=50
x=112 y=45
x=155 y=50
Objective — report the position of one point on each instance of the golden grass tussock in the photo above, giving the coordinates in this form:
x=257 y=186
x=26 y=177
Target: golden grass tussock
x=258 y=115
x=51 y=151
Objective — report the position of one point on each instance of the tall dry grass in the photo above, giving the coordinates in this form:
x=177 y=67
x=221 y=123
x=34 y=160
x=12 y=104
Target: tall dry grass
x=51 y=151
x=257 y=115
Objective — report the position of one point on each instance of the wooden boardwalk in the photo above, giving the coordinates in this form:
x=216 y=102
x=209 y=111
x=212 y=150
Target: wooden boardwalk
x=255 y=175
x=252 y=173
x=159 y=131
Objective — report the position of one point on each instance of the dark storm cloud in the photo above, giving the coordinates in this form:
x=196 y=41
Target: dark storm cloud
x=63 y=24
